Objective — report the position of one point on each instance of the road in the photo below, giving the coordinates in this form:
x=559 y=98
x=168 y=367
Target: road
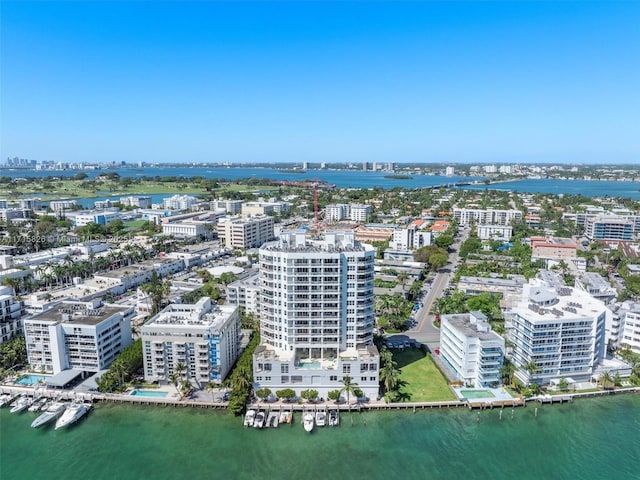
x=424 y=331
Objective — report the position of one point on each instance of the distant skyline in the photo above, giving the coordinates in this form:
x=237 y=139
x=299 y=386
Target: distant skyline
x=335 y=82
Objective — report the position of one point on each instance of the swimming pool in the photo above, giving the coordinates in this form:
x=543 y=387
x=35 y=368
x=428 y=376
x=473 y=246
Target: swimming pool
x=148 y=393
x=308 y=364
x=473 y=394
x=30 y=379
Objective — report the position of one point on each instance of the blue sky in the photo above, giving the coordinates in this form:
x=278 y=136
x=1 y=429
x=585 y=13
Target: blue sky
x=294 y=81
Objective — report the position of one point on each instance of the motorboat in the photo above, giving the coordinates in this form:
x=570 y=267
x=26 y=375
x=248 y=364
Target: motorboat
x=51 y=413
x=259 y=421
x=249 y=418
x=321 y=418
x=72 y=414
x=334 y=418
x=6 y=399
x=307 y=422
x=285 y=417
x=21 y=404
x=272 y=420
x=38 y=405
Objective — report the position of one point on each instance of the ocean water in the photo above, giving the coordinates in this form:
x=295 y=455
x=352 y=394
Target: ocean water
x=588 y=439
x=587 y=188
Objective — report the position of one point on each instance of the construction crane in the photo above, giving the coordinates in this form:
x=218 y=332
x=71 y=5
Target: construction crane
x=315 y=184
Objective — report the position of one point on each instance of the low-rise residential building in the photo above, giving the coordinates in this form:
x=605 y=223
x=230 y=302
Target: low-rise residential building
x=471 y=350
x=232 y=207
x=204 y=337
x=190 y=229
x=101 y=218
x=31 y=203
x=245 y=232
x=62 y=205
x=495 y=232
x=595 y=285
x=179 y=202
x=559 y=330
x=609 y=227
x=556 y=250
x=11 y=311
x=478 y=216
x=124 y=278
x=629 y=326
x=252 y=209
x=245 y=293
x=84 y=336
x=136 y=201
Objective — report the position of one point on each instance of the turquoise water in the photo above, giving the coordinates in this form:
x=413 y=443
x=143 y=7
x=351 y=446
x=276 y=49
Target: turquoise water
x=148 y=393
x=30 y=379
x=587 y=188
x=477 y=394
x=588 y=439
x=309 y=365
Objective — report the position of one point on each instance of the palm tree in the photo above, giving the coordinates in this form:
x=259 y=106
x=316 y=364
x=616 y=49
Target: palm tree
x=402 y=279
x=606 y=380
x=531 y=368
x=506 y=372
x=175 y=379
x=390 y=377
x=181 y=368
x=348 y=387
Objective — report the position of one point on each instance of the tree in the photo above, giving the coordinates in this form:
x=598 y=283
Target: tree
x=402 y=279
x=437 y=261
x=263 y=393
x=606 y=381
x=174 y=378
x=310 y=395
x=444 y=241
x=333 y=395
x=563 y=384
x=157 y=290
x=348 y=387
x=506 y=372
x=532 y=368
x=286 y=394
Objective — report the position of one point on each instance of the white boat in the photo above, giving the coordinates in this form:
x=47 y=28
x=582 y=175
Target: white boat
x=5 y=399
x=321 y=419
x=38 y=405
x=259 y=421
x=334 y=418
x=285 y=417
x=21 y=404
x=307 y=422
x=53 y=412
x=249 y=418
x=72 y=414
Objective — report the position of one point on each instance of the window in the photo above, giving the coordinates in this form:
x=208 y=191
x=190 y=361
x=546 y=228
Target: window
x=333 y=378
x=363 y=379
x=258 y=379
x=284 y=368
x=346 y=368
x=372 y=379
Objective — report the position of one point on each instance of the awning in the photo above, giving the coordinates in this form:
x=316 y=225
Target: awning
x=63 y=378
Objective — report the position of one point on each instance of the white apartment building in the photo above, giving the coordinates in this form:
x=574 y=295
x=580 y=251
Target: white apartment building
x=179 y=202
x=609 y=227
x=410 y=239
x=245 y=232
x=245 y=293
x=133 y=201
x=478 y=216
x=251 y=209
x=629 y=324
x=336 y=212
x=189 y=229
x=62 y=205
x=232 y=207
x=316 y=314
x=495 y=232
x=11 y=310
x=450 y=171
x=561 y=329
x=359 y=212
x=595 y=285
x=204 y=336
x=471 y=350
x=31 y=203
x=84 y=336
x=101 y=218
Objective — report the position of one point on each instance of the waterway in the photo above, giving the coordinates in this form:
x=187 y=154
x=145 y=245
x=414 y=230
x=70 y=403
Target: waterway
x=587 y=439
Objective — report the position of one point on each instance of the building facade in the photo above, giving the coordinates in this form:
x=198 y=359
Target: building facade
x=245 y=232
x=471 y=350
x=561 y=330
x=11 y=311
x=477 y=216
x=204 y=337
x=316 y=314
x=85 y=336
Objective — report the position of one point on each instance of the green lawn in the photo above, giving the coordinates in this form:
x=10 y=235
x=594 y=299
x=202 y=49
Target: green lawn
x=424 y=382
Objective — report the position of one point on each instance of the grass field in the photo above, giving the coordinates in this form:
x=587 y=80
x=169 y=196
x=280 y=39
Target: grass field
x=58 y=189
x=422 y=381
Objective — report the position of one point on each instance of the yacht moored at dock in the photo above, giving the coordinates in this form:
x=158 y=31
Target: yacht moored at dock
x=73 y=413
x=259 y=421
x=334 y=418
x=307 y=421
x=52 y=413
x=249 y=418
x=21 y=404
x=321 y=418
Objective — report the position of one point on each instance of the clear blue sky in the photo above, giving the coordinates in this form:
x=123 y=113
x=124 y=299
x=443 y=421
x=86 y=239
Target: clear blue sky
x=254 y=82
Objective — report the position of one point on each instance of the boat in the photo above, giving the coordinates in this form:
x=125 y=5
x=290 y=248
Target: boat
x=52 y=413
x=6 y=399
x=39 y=405
x=307 y=422
x=334 y=418
x=286 y=417
x=249 y=418
x=21 y=404
x=272 y=420
x=72 y=414
x=321 y=418
x=259 y=421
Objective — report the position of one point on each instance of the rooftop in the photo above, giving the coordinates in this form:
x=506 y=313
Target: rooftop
x=82 y=313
